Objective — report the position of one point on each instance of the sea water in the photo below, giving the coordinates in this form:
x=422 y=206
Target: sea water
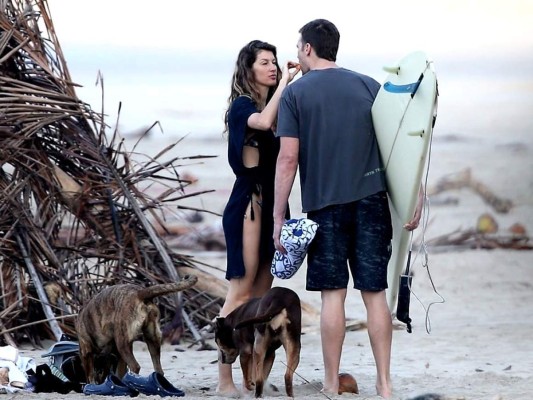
x=480 y=94
x=185 y=92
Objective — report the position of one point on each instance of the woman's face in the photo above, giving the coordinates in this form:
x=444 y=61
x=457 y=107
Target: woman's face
x=265 y=69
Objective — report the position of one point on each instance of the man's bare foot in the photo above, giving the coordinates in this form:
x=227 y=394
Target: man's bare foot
x=328 y=393
x=330 y=390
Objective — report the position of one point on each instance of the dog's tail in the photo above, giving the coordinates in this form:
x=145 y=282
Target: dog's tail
x=153 y=291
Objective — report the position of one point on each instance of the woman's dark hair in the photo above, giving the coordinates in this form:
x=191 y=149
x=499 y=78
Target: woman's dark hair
x=243 y=80
x=323 y=36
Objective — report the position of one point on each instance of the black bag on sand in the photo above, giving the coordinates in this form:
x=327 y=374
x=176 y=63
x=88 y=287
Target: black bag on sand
x=44 y=381
x=64 y=371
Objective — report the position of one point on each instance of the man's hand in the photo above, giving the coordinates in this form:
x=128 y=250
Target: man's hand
x=415 y=221
x=277 y=235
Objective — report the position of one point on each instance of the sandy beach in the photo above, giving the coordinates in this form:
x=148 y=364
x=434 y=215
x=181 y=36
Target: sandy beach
x=471 y=338
x=170 y=67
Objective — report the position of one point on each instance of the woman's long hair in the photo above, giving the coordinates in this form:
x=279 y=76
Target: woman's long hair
x=243 y=80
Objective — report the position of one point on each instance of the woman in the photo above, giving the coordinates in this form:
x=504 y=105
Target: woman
x=256 y=88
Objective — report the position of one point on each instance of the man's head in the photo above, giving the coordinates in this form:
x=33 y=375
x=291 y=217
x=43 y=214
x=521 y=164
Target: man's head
x=318 y=38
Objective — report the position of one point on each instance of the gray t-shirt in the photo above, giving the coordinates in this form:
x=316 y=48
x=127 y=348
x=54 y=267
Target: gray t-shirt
x=329 y=111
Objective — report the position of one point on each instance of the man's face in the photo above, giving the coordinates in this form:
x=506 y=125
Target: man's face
x=302 y=56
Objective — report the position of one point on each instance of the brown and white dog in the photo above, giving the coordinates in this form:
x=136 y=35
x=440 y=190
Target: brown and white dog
x=255 y=330
x=112 y=320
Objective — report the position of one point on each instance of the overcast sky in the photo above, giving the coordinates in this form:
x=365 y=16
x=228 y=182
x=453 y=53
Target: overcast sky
x=172 y=60
x=375 y=26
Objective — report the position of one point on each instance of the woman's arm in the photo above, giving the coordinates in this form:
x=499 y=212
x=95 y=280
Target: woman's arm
x=265 y=119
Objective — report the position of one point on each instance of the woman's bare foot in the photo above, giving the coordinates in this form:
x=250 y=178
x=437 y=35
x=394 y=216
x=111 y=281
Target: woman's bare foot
x=229 y=390
x=384 y=391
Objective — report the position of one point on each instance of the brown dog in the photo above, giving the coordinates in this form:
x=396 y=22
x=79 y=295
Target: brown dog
x=117 y=316
x=254 y=330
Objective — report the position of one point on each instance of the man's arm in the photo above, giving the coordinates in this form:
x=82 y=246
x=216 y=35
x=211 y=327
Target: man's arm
x=286 y=168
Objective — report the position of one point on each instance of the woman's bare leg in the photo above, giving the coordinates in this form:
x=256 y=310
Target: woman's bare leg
x=263 y=280
x=241 y=290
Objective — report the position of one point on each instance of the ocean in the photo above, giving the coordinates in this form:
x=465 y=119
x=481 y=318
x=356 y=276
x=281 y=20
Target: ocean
x=481 y=93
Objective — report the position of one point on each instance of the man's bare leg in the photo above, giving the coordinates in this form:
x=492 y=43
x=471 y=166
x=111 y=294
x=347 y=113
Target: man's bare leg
x=380 y=333
x=332 y=330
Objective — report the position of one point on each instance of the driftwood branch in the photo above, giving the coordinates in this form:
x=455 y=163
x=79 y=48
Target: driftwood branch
x=16 y=328
x=463 y=180
x=5 y=334
x=472 y=239
x=40 y=291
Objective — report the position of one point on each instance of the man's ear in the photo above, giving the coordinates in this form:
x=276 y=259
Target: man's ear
x=307 y=49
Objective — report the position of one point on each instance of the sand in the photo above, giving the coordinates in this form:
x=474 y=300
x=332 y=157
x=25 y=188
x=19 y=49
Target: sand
x=474 y=344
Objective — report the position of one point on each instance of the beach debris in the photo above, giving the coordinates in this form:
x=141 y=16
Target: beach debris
x=517 y=229
x=487 y=233
x=435 y=396
x=472 y=238
x=464 y=179
x=204 y=237
x=429 y=396
x=486 y=223
x=77 y=209
x=355 y=325
x=347 y=383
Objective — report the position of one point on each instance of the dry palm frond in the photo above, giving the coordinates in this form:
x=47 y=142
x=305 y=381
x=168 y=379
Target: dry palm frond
x=60 y=173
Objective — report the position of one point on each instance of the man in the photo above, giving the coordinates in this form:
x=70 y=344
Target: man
x=326 y=131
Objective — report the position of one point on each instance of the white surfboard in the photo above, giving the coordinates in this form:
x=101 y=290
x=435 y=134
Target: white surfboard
x=404 y=113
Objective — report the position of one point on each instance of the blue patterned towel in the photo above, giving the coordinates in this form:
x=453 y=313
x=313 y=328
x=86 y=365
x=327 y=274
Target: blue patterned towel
x=296 y=236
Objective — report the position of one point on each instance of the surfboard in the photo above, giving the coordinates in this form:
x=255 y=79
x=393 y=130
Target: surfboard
x=404 y=114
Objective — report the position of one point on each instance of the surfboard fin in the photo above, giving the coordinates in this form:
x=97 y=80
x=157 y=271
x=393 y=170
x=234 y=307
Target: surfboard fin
x=393 y=69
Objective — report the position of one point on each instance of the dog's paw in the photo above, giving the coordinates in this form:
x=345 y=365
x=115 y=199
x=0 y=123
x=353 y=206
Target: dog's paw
x=271 y=388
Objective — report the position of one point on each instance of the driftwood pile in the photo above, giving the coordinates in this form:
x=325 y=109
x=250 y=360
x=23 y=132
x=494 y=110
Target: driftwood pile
x=62 y=171
x=486 y=234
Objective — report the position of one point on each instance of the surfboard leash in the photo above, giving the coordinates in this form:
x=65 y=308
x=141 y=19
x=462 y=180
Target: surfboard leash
x=425 y=222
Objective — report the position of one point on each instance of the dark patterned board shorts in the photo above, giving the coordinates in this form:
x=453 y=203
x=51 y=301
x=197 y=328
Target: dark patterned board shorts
x=357 y=235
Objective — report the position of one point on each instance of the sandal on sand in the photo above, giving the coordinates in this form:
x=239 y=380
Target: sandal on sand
x=112 y=386
x=153 y=384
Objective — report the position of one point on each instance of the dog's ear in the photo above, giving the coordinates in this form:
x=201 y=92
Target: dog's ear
x=219 y=322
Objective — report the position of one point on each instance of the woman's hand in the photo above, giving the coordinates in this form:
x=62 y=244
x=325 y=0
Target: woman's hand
x=289 y=71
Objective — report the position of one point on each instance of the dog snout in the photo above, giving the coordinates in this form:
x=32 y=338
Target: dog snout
x=227 y=357
x=221 y=357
